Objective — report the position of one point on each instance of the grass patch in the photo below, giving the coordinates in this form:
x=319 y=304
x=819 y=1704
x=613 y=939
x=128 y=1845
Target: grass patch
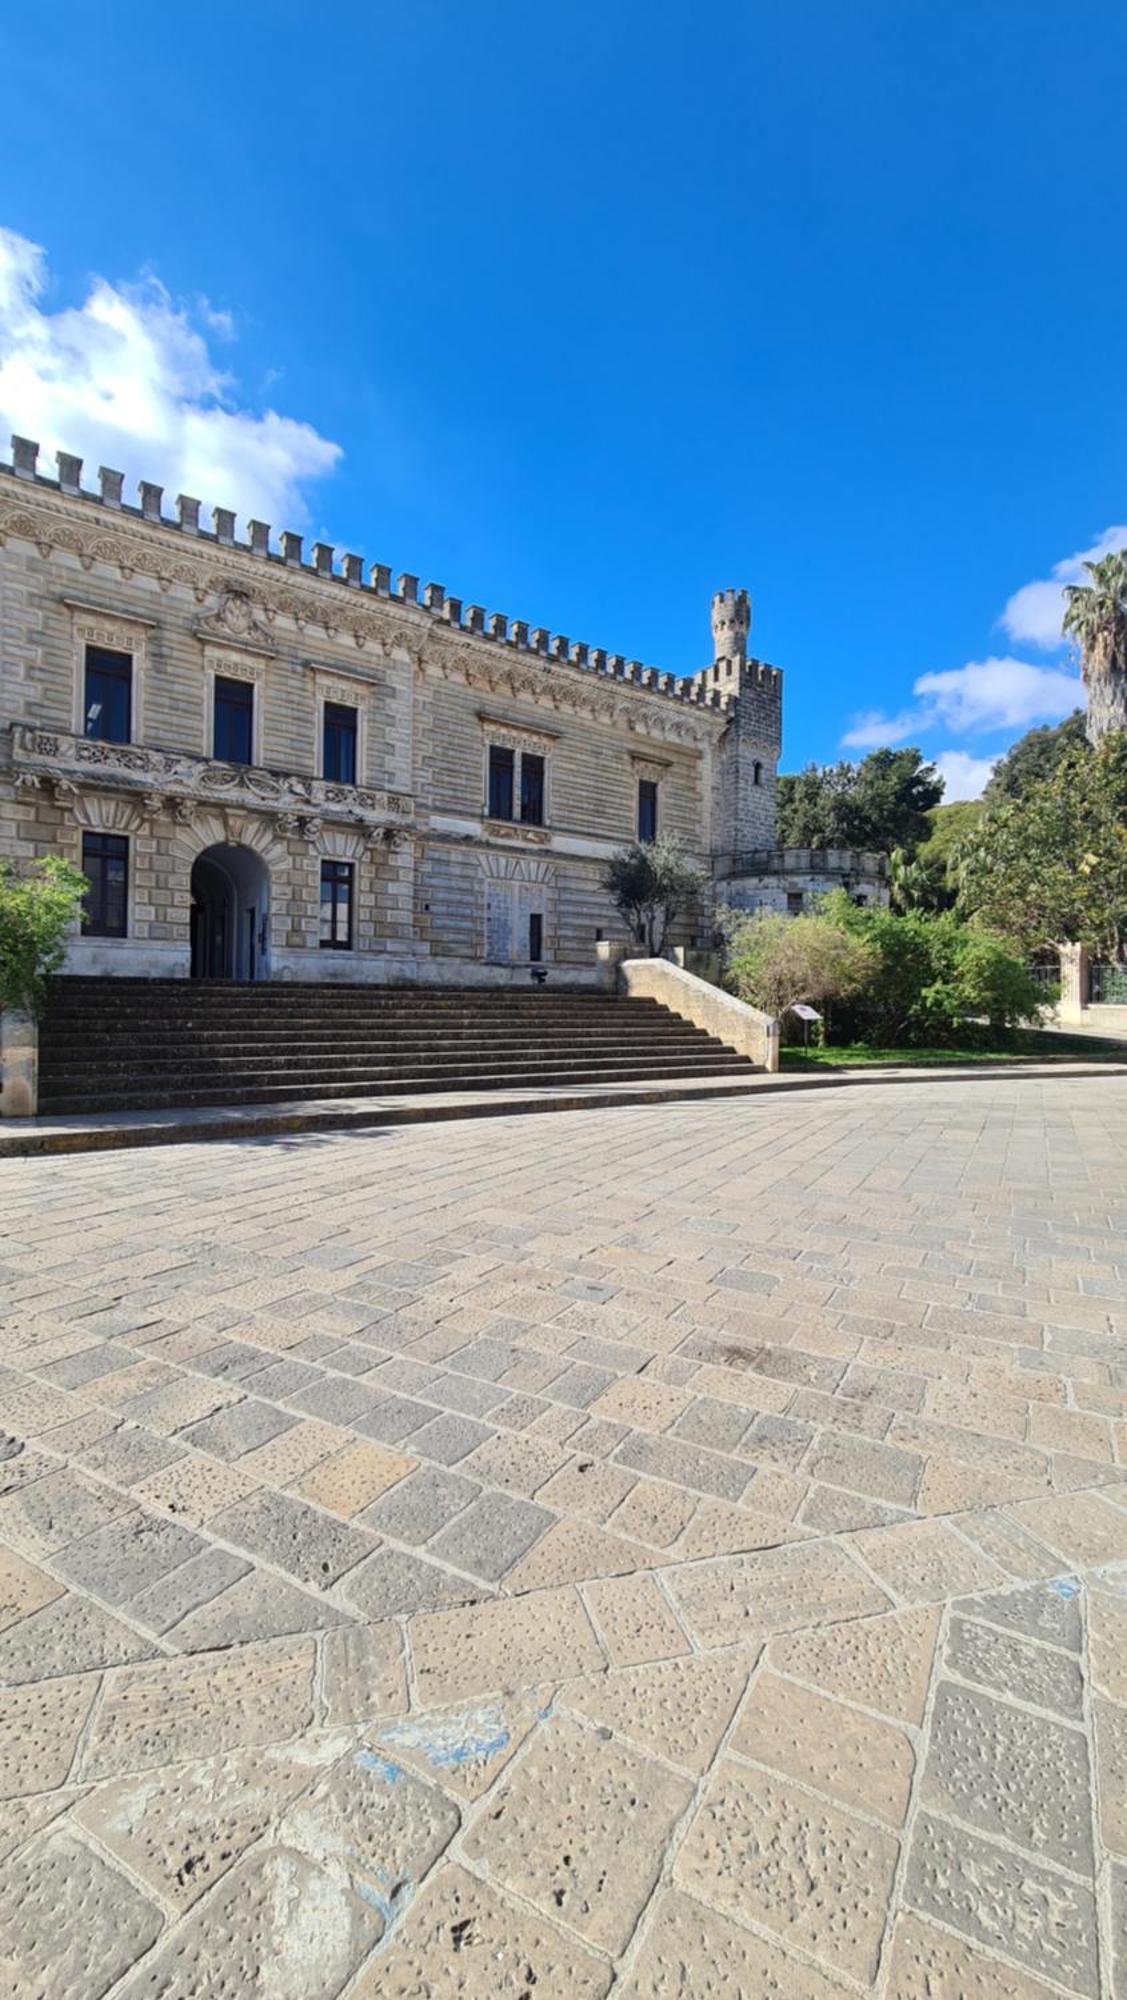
x=1024 y=1045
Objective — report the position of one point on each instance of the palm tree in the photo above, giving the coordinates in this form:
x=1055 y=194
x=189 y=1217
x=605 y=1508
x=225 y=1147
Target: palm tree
x=1095 y=616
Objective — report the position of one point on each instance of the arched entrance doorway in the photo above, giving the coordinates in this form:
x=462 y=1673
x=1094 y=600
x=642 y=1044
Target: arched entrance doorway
x=230 y=914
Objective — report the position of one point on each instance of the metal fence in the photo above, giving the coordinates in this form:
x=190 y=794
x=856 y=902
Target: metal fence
x=1107 y=985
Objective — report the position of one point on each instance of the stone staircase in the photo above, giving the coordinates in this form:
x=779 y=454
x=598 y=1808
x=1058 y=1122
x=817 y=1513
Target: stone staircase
x=112 y=1045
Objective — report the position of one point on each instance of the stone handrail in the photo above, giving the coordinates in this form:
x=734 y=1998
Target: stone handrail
x=59 y=757
x=743 y=1028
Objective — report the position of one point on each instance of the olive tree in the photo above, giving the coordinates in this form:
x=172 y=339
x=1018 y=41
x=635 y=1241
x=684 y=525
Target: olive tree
x=650 y=883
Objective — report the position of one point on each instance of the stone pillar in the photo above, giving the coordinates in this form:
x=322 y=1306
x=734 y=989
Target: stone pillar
x=609 y=954
x=19 y=1064
x=1073 y=982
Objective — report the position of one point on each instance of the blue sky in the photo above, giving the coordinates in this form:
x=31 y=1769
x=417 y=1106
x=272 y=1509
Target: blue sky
x=606 y=307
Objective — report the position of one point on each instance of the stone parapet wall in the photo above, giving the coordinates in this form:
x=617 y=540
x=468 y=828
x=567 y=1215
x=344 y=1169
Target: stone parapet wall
x=743 y=1028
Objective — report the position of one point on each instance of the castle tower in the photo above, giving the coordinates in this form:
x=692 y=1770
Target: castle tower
x=748 y=753
x=731 y=623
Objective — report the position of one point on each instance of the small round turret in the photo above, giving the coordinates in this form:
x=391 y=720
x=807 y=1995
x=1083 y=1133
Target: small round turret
x=731 y=623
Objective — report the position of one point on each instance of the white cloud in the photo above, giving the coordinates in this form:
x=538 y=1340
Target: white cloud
x=872 y=729
x=998 y=694
x=964 y=777
x=127 y=379
x=1033 y=614
x=971 y=700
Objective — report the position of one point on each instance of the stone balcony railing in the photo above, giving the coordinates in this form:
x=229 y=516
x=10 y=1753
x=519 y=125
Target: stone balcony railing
x=806 y=861
x=176 y=780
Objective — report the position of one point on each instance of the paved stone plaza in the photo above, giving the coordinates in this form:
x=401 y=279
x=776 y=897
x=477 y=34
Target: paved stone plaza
x=673 y=1552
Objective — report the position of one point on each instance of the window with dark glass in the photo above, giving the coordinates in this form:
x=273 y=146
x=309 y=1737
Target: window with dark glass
x=336 y=905
x=234 y=721
x=647 y=809
x=535 y=937
x=108 y=695
x=339 y=759
x=500 y=782
x=105 y=864
x=531 y=789
x=794 y=902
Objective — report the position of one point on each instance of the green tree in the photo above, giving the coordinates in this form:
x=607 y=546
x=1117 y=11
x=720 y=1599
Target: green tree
x=1095 y=615
x=930 y=881
x=881 y=803
x=37 y=909
x=650 y=883
x=810 y=805
x=912 y=885
x=774 y=962
x=1033 y=759
x=1050 y=866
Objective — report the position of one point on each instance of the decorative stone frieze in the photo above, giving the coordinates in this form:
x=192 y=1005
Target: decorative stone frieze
x=512 y=829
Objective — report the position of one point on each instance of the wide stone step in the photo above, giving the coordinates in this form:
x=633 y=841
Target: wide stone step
x=139 y=1100
x=160 y=1057
x=301 y=1077
x=120 y=993
x=62 y=1026
x=98 y=1036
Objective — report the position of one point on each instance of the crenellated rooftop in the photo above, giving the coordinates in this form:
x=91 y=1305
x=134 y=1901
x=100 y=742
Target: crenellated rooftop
x=716 y=686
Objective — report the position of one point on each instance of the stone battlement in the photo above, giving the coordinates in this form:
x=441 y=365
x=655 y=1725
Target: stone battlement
x=730 y=678
x=717 y=687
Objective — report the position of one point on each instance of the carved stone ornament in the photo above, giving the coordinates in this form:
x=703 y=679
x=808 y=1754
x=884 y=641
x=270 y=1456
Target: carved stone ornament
x=238 y=622
x=653 y=768
x=508 y=829
x=514 y=736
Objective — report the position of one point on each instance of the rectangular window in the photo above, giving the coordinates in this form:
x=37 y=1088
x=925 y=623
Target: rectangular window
x=647 y=809
x=233 y=734
x=336 y=905
x=108 y=695
x=339 y=759
x=531 y=789
x=535 y=937
x=105 y=864
x=500 y=782
x=794 y=902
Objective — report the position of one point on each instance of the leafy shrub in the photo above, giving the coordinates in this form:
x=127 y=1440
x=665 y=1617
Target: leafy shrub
x=37 y=909
x=934 y=980
x=775 y=962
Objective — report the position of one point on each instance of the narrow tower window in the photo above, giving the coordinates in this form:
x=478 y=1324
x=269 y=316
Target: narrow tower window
x=108 y=695
x=336 y=905
x=339 y=745
x=233 y=735
x=500 y=782
x=105 y=864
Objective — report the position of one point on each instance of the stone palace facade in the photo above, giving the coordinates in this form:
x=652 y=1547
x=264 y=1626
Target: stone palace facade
x=279 y=766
